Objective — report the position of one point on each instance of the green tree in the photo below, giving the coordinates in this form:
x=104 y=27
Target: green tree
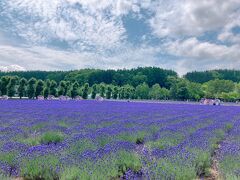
x=11 y=87
x=179 y=90
x=102 y=90
x=85 y=91
x=67 y=88
x=53 y=88
x=22 y=88
x=62 y=88
x=195 y=91
x=139 y=79
x=109 y=92
x=0 y=87
x=214 y=88
x=94 y=91
x=39 y=88
x=46 y=92
x=5 y=80
x=31 y=88
x=142 y=91
x=121 y=93
x=115 y=92
x=165 y=94
x=74 y=90
x=155 y=92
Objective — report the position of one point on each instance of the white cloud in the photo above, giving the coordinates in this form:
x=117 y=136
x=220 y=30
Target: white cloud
x=43 y=21
x=41 y=58
x=192 y=18
x=13 y=67
x=193 y=48
x=196 y=55
x=91 y=33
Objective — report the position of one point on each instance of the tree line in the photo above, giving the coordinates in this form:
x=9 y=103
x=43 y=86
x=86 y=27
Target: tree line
x=205 y=76
x=173 y=87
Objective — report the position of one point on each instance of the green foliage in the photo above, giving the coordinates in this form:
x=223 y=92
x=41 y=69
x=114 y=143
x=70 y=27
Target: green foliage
x=22 y=88
x=3 y=177
x=81 y=145
x=201 y=161
x=166 y=141
x=112 y=166
x=9 y=158
x=31 y=141
x=39 y=88
x=172 y=170
x=85 y=91
x=4 y=82
x=11 y=87
x=46 y=92
x=102 y=90
x=158 y=93
x=229 y=167
x=74 y=90
x=205 y=76
x=94 y=91
x=74 y=173
x=109 y=92
x=180 y=90
x=123 y=84
x=53 y=88
x=40 y=167
x=215 y=87
x=142 y=91
x=62 y=88
x=31 y=89
x=63 y=124
x=51 y=137
x=103 y=140
x=38 y=126
x=136 y=137
x=115 y=92
x=228 y=127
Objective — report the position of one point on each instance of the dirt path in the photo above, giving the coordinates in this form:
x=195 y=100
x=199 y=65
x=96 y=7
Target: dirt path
x=214 y=170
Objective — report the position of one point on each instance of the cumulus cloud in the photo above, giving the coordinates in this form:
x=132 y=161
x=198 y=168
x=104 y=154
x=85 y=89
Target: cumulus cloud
x=190 y=17
x=193 y=48
x=194 y=54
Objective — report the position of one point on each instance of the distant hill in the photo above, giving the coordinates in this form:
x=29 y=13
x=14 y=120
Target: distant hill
x=205 y=76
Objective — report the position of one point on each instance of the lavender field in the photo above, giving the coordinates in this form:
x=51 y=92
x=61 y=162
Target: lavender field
x=70 y=140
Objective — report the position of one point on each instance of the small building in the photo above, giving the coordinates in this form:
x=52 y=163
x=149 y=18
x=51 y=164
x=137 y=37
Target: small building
x=51 y=97
x=213 y=102
x=64 y=98
x=99 y=98
x=40 y=98
x=4 y=97
x=78 y=98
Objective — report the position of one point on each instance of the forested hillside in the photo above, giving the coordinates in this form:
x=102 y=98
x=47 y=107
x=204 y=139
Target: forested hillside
x=205 y=76
x=134 y=77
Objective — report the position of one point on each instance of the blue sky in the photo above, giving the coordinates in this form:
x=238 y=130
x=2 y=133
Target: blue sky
x=183 y=35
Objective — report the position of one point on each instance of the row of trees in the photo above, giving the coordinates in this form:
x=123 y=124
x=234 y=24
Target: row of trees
x=178 y=89
x=133 y=77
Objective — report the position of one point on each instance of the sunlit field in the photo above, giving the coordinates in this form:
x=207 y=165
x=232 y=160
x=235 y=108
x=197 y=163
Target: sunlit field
x=118 y=140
